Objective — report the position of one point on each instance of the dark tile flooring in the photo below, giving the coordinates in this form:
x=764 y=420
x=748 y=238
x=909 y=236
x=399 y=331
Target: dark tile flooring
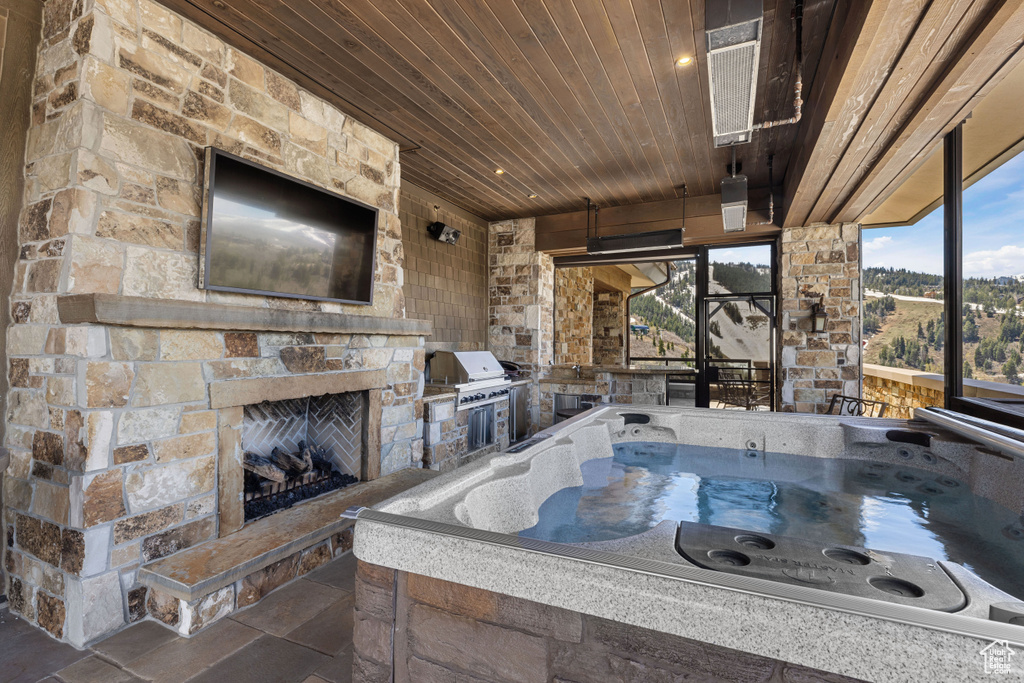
x=300 y=633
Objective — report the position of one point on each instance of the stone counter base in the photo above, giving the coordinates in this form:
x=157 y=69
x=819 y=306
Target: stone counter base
x=445 y=632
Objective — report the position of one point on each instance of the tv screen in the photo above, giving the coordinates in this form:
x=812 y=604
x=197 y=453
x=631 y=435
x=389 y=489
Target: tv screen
x=267 y=233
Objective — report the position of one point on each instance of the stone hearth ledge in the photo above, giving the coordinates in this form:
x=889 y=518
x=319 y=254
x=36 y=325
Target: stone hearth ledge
x=203 y=569
x=133 y=311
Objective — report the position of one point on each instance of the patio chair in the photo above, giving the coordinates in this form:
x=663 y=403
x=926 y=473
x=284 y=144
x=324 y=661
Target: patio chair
x=849 y=405
x=735 y=389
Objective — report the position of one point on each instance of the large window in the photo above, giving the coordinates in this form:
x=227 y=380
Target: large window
x=993 y=273
x=904 y=300
x=904 y=313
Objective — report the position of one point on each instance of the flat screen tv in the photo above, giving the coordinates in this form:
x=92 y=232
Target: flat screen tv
x=267 y=233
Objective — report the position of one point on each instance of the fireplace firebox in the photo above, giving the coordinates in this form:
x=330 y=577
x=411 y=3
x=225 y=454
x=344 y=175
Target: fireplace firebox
x=298 y=449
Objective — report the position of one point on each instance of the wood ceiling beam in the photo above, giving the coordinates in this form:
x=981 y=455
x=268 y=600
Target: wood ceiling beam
x=838 y=101
x=924 y=54
x=567 y=232
x=990 y=52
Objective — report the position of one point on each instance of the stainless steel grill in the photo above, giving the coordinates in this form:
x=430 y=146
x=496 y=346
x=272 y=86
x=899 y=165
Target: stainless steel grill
x=476 y=376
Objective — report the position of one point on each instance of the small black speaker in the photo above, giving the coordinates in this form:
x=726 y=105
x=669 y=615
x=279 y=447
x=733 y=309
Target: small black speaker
x=444 y=233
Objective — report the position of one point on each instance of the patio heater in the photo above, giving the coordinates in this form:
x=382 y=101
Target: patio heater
x=655 y=240
x=733 y=32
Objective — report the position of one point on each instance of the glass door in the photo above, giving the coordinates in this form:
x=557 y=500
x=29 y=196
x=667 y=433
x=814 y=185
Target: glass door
x=737 y=309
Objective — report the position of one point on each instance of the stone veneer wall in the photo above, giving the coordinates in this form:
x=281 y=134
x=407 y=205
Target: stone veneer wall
x=574 y=316
x=520 y=289
x=445 y=283
x=20 y=34
x=902 y=396
x=446 y=433
x=820 y=260
x=410 y=628
x=609 y=328
x=112 y=437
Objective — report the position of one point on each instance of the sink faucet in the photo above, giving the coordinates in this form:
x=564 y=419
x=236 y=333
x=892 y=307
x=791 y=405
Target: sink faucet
x=577 y=367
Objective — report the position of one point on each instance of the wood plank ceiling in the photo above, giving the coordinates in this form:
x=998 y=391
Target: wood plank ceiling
x=571 y=98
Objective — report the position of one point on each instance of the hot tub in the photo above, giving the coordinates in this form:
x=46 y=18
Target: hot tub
x=876 y=549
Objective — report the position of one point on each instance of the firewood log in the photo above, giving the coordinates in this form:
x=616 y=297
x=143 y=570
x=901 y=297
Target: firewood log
x=285 y=461
x=307 y=460
x=263 y=467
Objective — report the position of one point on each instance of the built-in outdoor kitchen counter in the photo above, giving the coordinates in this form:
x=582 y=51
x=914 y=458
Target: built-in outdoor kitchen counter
x=565 y=391
x=466 y=414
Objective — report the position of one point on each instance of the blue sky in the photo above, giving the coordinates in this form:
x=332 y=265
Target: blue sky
x=993 y=231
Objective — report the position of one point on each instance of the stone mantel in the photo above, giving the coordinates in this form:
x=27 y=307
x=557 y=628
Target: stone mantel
x=132 y=311
x=241 y=392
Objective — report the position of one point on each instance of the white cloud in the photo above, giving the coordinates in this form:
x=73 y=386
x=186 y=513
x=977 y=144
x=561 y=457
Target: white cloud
x=1007 y=260
x=876 y=244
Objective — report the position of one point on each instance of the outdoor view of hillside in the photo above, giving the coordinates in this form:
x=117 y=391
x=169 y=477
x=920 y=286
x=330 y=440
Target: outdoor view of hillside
x=668 y=312
x=904 y=323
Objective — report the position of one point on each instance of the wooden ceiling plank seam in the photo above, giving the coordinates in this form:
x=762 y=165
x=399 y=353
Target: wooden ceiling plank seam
x=464 y=129
x=607 y=44
x=855 y=86
x=523 y=169
x=911 y=76
x=477 y=42
x=354 y=81
x=688 y=79
x=523 y=32
x=984 y=54
x=598 y=86
x=636 y=52
x=531 y=63
x=888 y=44
x=510 y=106
x=572 y=24
x=661 y=65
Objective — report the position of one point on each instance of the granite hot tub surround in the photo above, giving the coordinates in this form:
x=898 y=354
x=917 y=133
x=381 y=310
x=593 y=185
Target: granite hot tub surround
x=460 y=572
x=129 y=383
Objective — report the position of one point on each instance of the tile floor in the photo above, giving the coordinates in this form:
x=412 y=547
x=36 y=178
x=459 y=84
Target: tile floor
x=300 y=633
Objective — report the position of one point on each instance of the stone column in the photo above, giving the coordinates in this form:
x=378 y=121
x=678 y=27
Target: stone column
x=574 y=316
x=521 y=300
x=820 y=262
x=609 y=328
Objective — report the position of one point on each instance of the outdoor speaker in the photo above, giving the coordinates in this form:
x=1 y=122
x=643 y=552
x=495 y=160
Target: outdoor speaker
x=444 y=233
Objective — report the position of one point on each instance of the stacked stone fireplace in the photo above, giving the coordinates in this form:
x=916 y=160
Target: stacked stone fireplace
x=128 y=383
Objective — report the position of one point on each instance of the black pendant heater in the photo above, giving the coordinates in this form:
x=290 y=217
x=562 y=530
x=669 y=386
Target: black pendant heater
x=657 y=240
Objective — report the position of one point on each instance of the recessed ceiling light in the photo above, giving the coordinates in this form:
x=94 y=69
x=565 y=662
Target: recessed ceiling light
x=532 y=196
x=499 y=171
x=683 y=61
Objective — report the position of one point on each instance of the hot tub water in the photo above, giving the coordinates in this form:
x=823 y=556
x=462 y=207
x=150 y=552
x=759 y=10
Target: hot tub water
x=856 y=502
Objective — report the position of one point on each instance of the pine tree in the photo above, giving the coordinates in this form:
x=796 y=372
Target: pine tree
x=968 y=374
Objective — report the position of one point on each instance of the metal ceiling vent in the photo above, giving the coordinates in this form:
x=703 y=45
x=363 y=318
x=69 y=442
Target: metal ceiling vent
x=733 y=31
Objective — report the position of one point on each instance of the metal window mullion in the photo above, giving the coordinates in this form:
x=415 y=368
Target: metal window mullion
x=953 y=238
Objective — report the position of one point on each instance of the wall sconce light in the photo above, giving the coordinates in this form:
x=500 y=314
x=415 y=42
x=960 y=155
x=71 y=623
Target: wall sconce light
x=818 y=317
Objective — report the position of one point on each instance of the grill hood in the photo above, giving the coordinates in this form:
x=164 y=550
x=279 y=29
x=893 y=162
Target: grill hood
x=459 y=367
